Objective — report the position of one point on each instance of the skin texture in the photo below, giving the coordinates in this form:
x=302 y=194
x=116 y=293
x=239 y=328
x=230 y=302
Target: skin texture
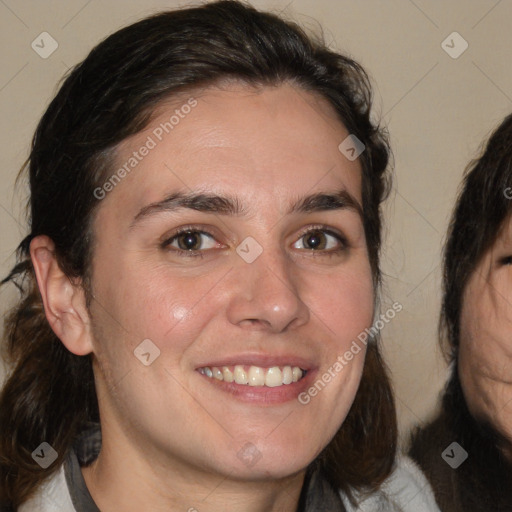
x=485 y=355
x=170 y=435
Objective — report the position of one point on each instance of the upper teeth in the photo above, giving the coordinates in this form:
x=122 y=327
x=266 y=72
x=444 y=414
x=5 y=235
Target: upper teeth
x=254 y=375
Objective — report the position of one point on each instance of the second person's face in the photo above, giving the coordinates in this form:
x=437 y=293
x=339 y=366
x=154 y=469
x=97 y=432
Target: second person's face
x=485 y=354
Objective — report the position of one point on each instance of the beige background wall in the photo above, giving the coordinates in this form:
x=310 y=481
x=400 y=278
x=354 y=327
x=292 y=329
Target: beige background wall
x=437 y=109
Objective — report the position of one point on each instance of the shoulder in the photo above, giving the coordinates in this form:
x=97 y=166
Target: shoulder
x=409 y=487
x=405 y=490
x=52 y=496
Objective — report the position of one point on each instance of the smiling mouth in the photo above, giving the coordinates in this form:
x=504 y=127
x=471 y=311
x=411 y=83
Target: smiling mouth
x=256 y=376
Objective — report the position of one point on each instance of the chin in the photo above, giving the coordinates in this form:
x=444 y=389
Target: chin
x=254 y=461
x=268 y=471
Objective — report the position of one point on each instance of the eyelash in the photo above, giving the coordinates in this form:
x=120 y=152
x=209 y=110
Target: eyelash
x=311 y=229
x=507 y=260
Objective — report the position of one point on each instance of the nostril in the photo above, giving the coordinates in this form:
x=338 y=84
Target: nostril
x=255 y=322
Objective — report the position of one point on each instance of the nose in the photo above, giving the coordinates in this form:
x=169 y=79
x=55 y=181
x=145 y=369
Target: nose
x=266 y=295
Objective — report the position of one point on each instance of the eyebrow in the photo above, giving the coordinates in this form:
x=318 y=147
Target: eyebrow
x=231 y=205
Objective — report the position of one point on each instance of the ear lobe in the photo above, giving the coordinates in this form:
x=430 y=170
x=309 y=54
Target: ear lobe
x=64 y=302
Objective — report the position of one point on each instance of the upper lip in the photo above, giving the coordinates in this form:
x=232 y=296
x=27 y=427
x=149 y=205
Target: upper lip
x=262 y=360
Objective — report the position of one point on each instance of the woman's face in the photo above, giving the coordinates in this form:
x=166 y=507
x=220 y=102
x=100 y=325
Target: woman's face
x=273 y=278
x=485 y=355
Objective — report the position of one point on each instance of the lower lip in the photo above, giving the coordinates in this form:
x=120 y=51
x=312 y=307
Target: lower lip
x=264 y=395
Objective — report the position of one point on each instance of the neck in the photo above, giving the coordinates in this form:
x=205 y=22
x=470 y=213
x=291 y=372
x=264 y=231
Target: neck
x=146 y=483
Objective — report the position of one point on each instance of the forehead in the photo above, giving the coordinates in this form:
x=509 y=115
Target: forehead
x=503 y=240
x=500 y=248
x=278 y=141
x=505 y=232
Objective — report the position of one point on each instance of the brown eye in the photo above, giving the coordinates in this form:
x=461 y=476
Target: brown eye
x=190 y=241
x=321 y=240
x=507 y=260
x=315 y=240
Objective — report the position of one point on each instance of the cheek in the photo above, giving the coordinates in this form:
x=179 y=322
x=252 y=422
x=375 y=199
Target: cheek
x=140 y=302
x=343 y=301
x=472 y=356
x=475 y=311
x=484 y=325
x=485 y=351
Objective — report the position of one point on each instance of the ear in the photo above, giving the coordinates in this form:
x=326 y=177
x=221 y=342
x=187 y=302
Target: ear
x=64 y=302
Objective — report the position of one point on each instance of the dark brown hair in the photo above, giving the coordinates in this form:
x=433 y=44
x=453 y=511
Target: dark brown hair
x=483 y=205
x=111 y=95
